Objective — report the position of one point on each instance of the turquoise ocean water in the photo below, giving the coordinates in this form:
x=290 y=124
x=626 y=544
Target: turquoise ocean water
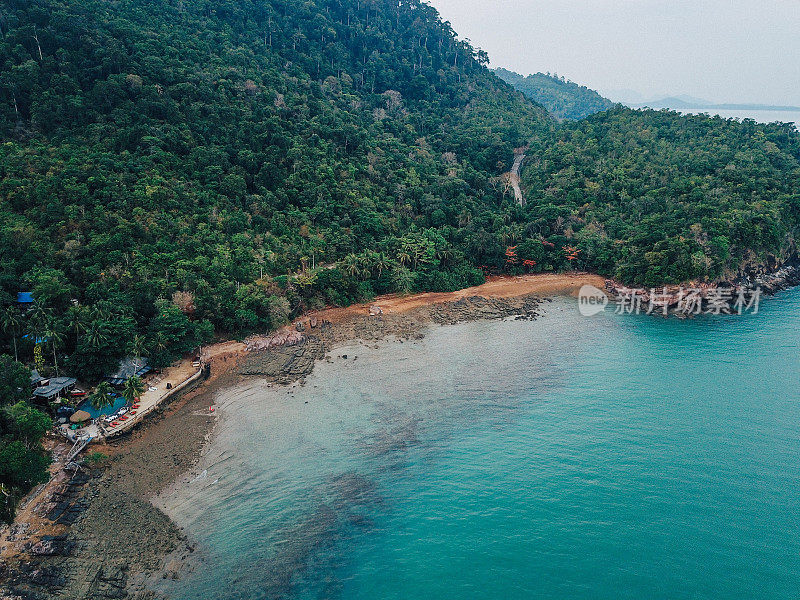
x=612 y=457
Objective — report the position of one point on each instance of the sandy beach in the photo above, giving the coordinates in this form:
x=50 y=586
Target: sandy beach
x=116 y=544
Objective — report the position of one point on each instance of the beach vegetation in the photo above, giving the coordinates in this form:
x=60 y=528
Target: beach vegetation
x=94 y=459
x=134 y=387
x=102 y=397
x=23 y=461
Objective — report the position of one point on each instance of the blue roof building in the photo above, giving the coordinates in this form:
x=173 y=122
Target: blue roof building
x=25 y=297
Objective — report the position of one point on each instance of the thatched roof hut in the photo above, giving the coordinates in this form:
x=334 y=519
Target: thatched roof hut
x=79 y=416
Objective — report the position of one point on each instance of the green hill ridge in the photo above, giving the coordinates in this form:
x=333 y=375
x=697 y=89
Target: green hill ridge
x=169 y=169
x=564 y=99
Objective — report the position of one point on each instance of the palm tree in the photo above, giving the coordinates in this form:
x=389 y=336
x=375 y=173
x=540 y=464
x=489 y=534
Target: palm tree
x=352 y=265
x=160 y=342
x=56 y=339
x=102 y=397
x=382 y=262
x=138 y=347
x=404 y=256
x=76 y=316
x=444 y=255
x=100 y=312
x=38 y=321
x=40 y=314
x=11 y=321
x=96 y=334
x=420 y=254
x=133 y=389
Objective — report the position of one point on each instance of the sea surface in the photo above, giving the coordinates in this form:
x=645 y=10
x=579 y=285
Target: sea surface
x=759 y=116
x=607 y=457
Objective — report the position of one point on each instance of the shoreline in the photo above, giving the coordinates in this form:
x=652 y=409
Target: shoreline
x=100 y=536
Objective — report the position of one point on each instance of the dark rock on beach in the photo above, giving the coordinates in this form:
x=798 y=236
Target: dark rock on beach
x=287 y=357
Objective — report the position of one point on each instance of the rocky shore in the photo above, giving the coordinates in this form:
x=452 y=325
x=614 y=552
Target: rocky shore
x=98 y=536
x=721 y=297
x=311 y=340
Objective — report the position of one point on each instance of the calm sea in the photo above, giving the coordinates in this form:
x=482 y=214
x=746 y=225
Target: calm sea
x=759 y=116
x=611 y=457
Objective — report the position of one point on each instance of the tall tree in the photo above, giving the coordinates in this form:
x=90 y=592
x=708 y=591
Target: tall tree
x=101 y=398
x=77 y=317
x=134 y=387
x=56 y=339
x=138 y=347
x=11 y=321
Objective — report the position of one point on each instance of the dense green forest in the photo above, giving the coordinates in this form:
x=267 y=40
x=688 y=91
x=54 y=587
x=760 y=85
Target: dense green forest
x=177 y=167
x=23 y=461
x=172 y=169
x=564 y=99
x=654 y=197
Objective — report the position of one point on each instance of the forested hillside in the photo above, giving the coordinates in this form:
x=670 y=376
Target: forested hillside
x=171 y=168
x=176 y=166
x=654 y=197
x=562 y=98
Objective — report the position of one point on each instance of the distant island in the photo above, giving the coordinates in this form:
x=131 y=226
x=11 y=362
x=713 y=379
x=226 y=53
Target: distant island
x=562 y=98
x=674 y=102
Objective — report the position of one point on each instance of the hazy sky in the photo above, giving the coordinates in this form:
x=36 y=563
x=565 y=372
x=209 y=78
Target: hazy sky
x=723 y=51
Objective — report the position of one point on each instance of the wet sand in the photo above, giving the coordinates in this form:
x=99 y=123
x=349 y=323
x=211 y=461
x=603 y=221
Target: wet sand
x=118 y=545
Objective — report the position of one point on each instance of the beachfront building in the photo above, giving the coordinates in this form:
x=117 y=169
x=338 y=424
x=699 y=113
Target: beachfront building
x=36 y=379
x=55 y=387
x=128 y=367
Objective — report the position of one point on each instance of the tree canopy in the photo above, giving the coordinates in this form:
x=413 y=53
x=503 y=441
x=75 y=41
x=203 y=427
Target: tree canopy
x=653 y=197
x=23 y=462
x=173 y=169
x=562 y=98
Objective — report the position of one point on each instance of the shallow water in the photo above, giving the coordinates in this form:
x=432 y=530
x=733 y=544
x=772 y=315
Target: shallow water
x=570 y=457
